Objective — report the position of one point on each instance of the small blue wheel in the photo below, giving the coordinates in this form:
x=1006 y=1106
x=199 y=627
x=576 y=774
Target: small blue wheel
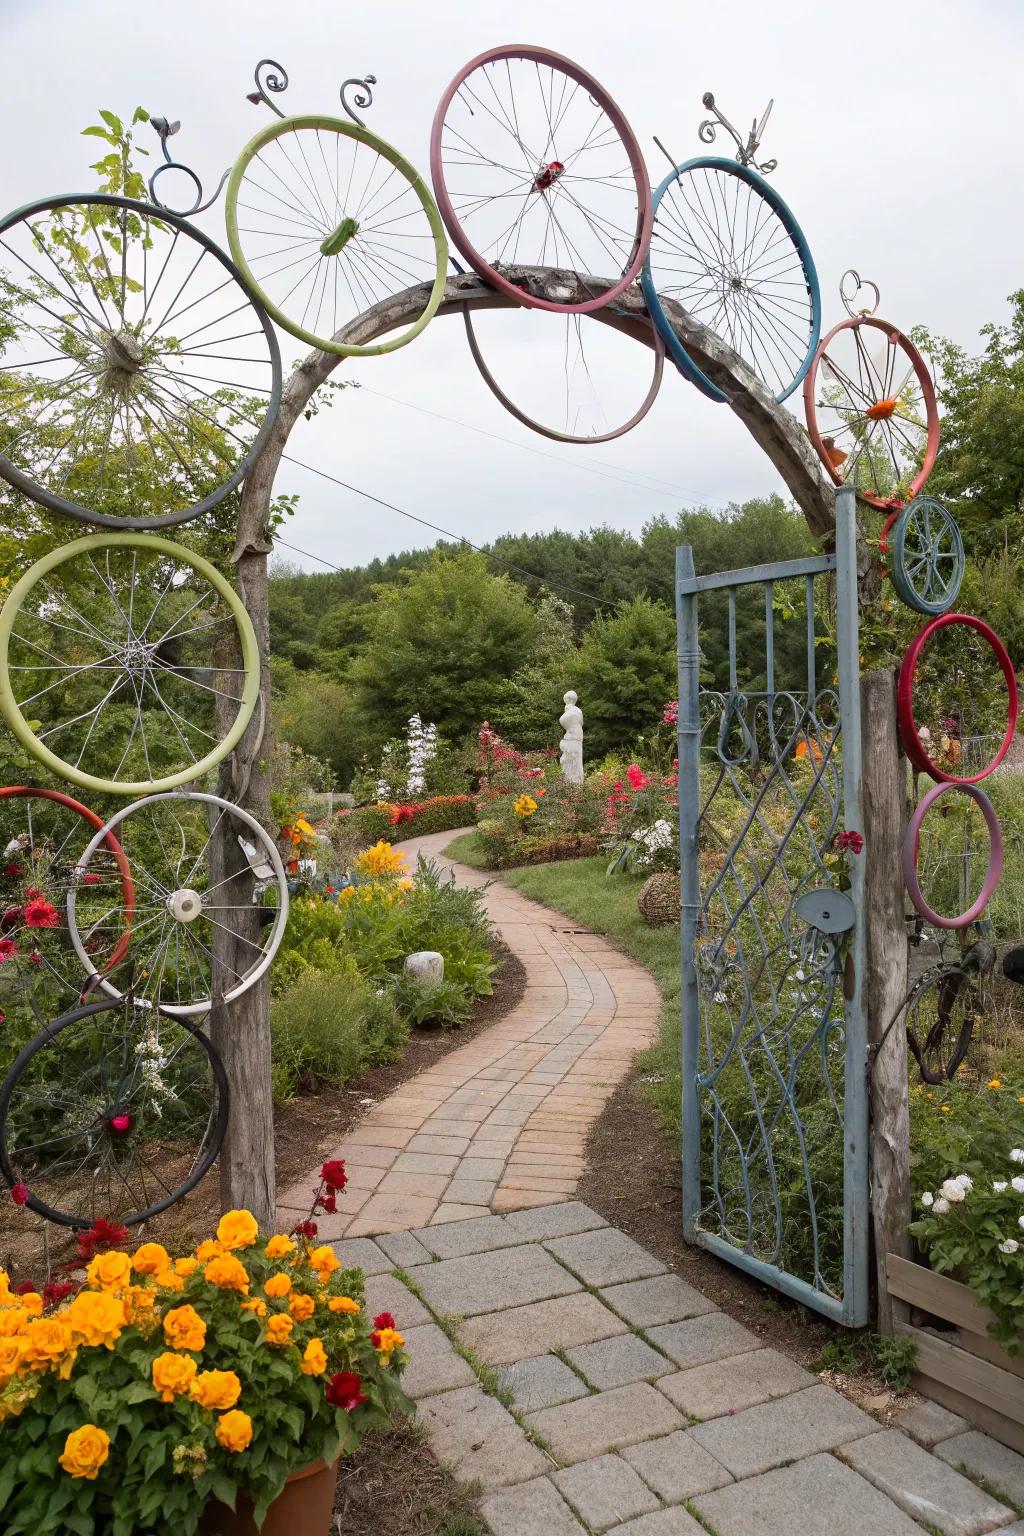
x=726 y=247
x=927 y=556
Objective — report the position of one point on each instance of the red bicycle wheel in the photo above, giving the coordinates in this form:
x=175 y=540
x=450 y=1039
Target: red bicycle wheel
x=909 y=734
x=39 y=852
x=533 y=164
x=872 y=416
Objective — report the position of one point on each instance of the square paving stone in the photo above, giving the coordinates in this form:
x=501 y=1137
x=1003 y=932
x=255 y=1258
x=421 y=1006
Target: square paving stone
x=562 y=1220
x=676 y=1467
x=799 y=1425
x=403 y=1250
x=979 y=1455
x=604 y=1492
x=928 y=1422
x=618 y=1361
x=491 y=1282
x=605 y=1257
x=699 y=1340
x=386 y=1294
x=479 y=1439
x=501 y=1337
x=727 y=1386
x=928 y=1489
x=625 y=1416
x=361 y=1253
x=531 y=1509
x=541 y=1383
x=815 y=1497
x=434 y=1366
x=667 y=1522
x=661 y=1299
x=482 y=1235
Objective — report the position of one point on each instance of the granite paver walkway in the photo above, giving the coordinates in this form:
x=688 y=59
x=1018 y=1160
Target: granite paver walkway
x=500 y=1124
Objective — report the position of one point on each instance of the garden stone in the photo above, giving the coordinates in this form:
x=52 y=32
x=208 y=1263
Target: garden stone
x=604 y=1492
x=662 y=1299
x=434 y=1366
x=676 y=1467
x=617 y=1362
x=727 y=1386
x=605 y=1257
x=667 y=1522
x=799 y=1425
x=925 y=1487
x=559 y=1323
x=562 y=1220
x=531 y=1509
x=386 y=1293
x=426 y=967
x=459 y=1238
x=479 y=1439
x=360 y=1253
x=541 y=1382
x=818 y=1496
x=978 y=1455
x=699 y=1340
x=928 y=1422
x=403 y=1250
x=571 y=745
x=490 y=1282
x=605 y=1421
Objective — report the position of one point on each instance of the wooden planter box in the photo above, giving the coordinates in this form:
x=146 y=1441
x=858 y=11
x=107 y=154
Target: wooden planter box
x=961 y=1365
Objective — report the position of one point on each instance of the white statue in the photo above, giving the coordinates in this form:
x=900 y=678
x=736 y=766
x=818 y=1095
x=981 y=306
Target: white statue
x=571 y=744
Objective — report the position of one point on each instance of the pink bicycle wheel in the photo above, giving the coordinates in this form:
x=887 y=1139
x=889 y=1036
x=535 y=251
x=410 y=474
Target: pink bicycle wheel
x=912 y=743
x=534 y=165
x=995 y=856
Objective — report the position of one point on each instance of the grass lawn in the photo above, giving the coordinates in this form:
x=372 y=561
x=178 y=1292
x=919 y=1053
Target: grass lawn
x=581 y=889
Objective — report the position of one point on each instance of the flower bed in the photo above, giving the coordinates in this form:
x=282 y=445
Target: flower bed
x=412 y=818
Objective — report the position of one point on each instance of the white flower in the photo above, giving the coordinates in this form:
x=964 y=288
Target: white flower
x=1017 y=1155
x=953 y=1191
x=1017 y=1184
x=720 y=997
x=940 y=1207
x=1020 y=1221
x=999 y=1185
x=965 y=1181
x=1009 y=1246
x=927 y=1198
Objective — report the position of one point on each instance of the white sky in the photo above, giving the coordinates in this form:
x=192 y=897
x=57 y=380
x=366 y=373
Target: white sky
x=895 y=125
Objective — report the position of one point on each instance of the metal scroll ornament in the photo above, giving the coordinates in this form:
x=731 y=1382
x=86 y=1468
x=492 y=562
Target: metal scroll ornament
x=166 y=130
x=746 y=150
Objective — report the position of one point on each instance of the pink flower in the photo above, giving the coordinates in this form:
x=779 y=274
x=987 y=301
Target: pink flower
x=19 y=1194
x=636 y=776
x=7 y=949
x=670 y=715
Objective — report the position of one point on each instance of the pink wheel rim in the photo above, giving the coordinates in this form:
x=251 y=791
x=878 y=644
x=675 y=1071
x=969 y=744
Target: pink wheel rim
x=644 y=217
x=924 y=379
x=912 y=744
x=995 y=856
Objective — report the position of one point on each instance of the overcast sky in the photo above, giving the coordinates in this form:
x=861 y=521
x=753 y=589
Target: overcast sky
x=896 y=127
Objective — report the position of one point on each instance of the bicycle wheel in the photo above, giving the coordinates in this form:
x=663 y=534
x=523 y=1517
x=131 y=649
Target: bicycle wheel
x=585 y=415
x=111 y=1112
x=533 y=164
x=942 y=1011
x=135 y=371
x=188 y=904
x=119 y=663
x=927 y=564
x=729 y=251
x=325 y=221
x=42 y=835
x=872 y=416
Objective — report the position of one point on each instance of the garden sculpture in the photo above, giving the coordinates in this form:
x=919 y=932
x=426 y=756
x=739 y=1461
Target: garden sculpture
x=571 y=744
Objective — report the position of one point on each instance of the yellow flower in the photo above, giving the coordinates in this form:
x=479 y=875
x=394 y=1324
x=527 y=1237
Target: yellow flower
x=139 y=1300
x=386 y=1341
x=301 y=1307
x=381 y=859
x=406 y=884
x=228 y=1273
x=85 y=1451
x=216 y=1389
x=208 y=1250
x=173 y=1374
x=344 y=1304
x=184 y=1328
x=110 y=1271
x=95 y=1317
x=279 y=1329
x=324 y=1260
x=314 y=1360
x=150 y=1259
x=278 y=1285
x=238 y=1229
x=279 y=1246
x=11 y=1351
x=525 y=807
x=346 y=893
x=995 y=1083
x=47 y=1343
x=7 y=1296
x=12 y=1320
x=234 y=1430
x=169 y=1280
x=255 y=1304
x=944 y=1108
x=32 y=1303
x=185 y=1267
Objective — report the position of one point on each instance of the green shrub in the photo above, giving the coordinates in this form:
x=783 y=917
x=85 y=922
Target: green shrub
x=327 y=1026
x=893 y=1361
x=446 y=1004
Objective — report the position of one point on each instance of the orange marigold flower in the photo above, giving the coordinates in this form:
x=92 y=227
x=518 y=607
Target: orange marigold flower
x=110 y=1271
x=48 y=1343
x=255 y=1304
x=344 y=1304
x=11 y=1351
x=279 y=1246
x=324 y=1260
x=301 y=1307
x=95 y=1317
x=278 y=1284
x=238 y=1229
x=234 y=1430
x=386 y=1341
x=184 y=1328
x=208 y=1250
x=173 y=1374
x=227 y=1272
x=150 y=1259
x=85 y=1451
x=314 y=1359
x=279 y=1329
x=185 y=1267
x=216 y=1389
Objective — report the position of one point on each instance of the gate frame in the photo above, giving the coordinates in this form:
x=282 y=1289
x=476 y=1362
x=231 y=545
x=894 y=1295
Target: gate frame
x=853 y=1307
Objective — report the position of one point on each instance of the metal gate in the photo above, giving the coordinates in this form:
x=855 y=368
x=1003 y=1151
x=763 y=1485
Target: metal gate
x=774 y=1048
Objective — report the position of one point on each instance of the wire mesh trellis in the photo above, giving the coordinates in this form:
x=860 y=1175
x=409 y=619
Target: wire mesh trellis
x=774 y=1030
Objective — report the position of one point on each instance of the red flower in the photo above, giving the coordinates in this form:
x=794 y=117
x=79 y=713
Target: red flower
x=56 y=1291
x=11 y=918
x=375 y=1339
x=7 y=949
x=90 y=879
x=305 y=1229
x=670 y=714
x=32 y=892
x=636 y=776
x=3 y=1017
x=13 y=870
x=343 y=1391
x=36 y=957
x=19 y=1194
x=850 y=842
x=333 y=1173
x=328 y=1203
x=103 y=1234
x=23 y=1288
x=41 y=913
x=121 y=1124
x=385 y=1320
x=328 y=890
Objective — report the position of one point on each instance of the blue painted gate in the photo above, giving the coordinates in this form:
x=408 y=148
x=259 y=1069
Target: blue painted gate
x=774 y=1039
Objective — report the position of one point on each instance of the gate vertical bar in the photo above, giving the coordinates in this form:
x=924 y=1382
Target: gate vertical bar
x=688 y=752
x=856 y=1285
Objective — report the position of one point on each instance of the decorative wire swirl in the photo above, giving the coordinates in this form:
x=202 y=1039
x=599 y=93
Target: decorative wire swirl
x=277 y=81
x=363 y=96
x=745 y=151
x=849 y=298
x=167 y=130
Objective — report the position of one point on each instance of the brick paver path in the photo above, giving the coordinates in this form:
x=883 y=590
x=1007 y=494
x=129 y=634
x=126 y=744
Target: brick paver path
x=500 y=1124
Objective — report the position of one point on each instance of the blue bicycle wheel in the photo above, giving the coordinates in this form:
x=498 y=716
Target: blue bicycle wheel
x=729 y=251
x=927 y=559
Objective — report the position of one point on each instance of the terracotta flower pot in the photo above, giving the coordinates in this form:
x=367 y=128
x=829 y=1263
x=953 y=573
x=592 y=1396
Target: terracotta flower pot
x=302 y=1508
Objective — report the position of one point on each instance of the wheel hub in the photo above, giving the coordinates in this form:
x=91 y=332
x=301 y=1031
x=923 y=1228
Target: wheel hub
x=548 y=175
x=136 y=655
x=184 y=905
x=339 y=238
x=123 y=356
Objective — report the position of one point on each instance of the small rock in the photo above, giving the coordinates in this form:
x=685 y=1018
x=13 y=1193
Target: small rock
x=427 y=967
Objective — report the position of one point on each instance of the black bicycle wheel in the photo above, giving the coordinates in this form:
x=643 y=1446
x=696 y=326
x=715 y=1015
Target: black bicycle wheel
x=941 y=1014
x=112 y=1111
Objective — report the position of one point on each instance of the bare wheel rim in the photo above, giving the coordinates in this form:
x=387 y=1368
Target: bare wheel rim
x=186 y=906
x=135 y=369
x=111 y=1111
x=534 y=164
x=127 y=663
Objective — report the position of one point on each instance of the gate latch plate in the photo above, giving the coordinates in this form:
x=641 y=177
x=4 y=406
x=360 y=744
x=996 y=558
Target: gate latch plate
x=827 y=909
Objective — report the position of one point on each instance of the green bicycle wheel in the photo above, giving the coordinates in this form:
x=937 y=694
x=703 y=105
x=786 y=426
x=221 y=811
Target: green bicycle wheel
x=128 y=664
x=324 y=221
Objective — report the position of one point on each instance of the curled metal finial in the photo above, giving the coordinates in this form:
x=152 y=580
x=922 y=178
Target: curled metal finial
x=363 y=97
x=850 y=285
x=166 y=130
x=746 y=150
x=276 y=81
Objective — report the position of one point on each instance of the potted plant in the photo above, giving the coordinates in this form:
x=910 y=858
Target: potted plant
x=211 y=1391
